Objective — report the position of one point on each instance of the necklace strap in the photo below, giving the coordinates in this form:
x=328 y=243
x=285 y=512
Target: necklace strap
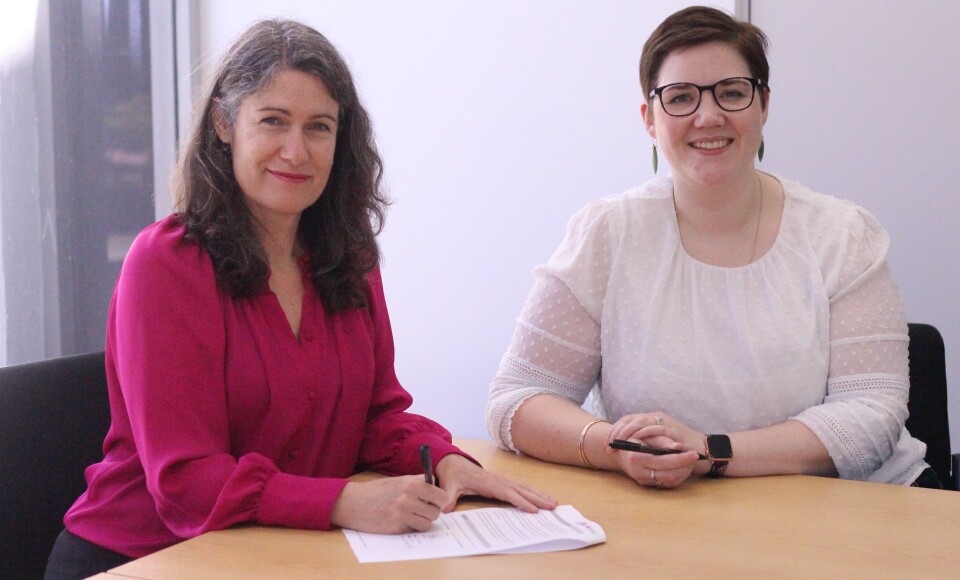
x=756 y=230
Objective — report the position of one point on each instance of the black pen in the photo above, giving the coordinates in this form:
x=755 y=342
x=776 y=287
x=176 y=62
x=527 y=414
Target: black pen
x=427 y=464
x=624 y=445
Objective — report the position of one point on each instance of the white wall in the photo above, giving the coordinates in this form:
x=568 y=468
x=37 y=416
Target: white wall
x=864 y=106
x=497 y=120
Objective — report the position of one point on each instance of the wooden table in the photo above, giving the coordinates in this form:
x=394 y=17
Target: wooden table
x=791 y=526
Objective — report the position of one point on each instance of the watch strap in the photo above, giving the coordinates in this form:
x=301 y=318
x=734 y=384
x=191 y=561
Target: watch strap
x=717 y=468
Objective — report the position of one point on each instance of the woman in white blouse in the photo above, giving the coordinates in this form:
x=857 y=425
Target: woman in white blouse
x=722 y=310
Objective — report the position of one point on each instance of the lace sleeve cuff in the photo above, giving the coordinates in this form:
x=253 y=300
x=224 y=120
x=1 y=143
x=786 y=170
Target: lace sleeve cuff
x=517 y=381
x=860 y=421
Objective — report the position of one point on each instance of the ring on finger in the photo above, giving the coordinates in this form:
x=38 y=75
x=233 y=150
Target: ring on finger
x=659 y=421
x=653 y=476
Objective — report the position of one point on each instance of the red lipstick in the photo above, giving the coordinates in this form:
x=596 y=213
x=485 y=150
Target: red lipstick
x=294 y=178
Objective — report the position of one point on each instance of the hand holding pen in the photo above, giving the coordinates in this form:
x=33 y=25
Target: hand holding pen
x=395 y=505
x=391 y=505
x=657 y=461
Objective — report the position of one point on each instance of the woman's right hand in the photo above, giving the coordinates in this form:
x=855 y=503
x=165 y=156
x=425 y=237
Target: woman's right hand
x=659 y=430
x=392 y=505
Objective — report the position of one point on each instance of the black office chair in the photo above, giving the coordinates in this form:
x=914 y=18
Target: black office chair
x=53 y=418
x=928 y=419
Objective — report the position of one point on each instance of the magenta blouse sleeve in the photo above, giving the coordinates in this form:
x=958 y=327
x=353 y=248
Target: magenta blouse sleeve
x=393 y=436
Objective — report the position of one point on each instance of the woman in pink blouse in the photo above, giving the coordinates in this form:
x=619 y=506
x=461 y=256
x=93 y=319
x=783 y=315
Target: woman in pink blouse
x=249 y=352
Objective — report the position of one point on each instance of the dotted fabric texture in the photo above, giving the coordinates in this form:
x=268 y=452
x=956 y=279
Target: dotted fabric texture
x=814 y=330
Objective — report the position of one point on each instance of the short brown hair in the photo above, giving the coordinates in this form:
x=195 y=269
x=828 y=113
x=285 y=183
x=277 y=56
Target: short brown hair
x=701 y=25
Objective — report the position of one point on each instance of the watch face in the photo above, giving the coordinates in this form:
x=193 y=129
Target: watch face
x=718 y=447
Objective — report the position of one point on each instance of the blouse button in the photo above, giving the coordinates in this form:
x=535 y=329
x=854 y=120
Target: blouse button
x=312 y=395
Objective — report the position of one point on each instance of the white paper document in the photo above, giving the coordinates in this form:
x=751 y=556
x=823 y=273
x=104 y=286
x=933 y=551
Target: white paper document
x=482 y=531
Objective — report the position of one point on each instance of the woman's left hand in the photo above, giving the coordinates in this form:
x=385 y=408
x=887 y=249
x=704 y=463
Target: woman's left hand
x=459 y=477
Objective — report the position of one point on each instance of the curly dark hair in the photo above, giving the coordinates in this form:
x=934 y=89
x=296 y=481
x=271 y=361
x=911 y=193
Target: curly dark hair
x=699 y=25
x=339 y=231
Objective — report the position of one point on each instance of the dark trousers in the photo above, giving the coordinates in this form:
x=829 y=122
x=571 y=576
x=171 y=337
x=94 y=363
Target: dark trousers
x=73 y=557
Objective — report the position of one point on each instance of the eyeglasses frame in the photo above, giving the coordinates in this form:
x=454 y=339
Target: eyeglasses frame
x=755 y=83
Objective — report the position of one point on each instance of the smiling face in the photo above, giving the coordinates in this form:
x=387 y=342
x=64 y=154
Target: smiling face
x=282 y=144
x=710 y=146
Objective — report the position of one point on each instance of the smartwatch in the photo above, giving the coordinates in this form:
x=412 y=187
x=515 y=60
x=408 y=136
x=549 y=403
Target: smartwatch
x=719 y=452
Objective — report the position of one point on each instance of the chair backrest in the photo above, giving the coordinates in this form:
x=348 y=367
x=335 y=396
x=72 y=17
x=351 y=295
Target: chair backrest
x=928 y=419
x=53 y=418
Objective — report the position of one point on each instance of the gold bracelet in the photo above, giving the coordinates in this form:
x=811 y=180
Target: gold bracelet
x=583 y=437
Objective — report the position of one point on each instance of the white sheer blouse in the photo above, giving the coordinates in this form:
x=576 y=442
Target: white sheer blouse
x=813 y=331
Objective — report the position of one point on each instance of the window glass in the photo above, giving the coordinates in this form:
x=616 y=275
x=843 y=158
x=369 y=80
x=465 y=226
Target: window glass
x=76 y=173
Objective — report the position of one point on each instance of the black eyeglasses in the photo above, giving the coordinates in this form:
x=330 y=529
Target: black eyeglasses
x=682 y=99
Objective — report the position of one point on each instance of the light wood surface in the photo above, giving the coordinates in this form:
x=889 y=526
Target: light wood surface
x=792 y=526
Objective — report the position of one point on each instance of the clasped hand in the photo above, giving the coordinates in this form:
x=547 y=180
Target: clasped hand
x=397 y=505
x=658 y=430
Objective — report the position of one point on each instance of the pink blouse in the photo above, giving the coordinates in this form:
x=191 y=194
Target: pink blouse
x=221 y=415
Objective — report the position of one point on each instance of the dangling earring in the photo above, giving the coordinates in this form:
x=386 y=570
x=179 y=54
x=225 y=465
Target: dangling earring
x=654 y=156
x=760 y=151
